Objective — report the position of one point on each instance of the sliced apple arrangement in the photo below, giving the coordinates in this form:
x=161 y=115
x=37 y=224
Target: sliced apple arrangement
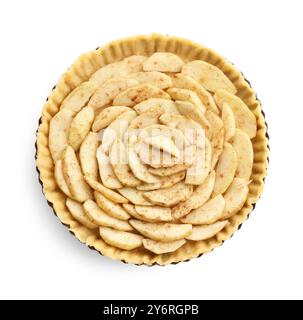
x=154 y=152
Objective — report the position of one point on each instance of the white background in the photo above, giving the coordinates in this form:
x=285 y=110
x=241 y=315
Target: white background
x=38 y=256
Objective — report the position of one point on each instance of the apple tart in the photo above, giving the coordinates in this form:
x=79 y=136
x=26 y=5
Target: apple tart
x=152 y=149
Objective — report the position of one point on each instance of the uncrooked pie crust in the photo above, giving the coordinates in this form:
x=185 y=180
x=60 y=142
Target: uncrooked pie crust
x=80 y=72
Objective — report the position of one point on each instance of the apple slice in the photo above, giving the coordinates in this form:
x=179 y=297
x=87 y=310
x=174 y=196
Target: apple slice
x=100 y=218
x=60 y=178
x=229 y=121
x=244 y=150
x=165 y=182
x=109 y=90
x=108 y=193
x=164 y=172
x=106 y=172
x=187 y=96
x=191 y=111
x=155 y=213
x=183 y=81
x=58 y=133
x=163 y=143
x=130 y=208
x=79 y=97
x=200 y=195
x=139 y=169
x=245 y=119
x=73 y=176
x=208 y=213
x=163 y=62
x=80 y=127
x=235 y=197
x=155 y=103
x=111 y=208
x=211 y=77
x=170 y=196
x=162 y=231
x=87 y=155
x=218 y=134
x=121 y=239
x=226 y=169
x=135 y=95
x=159 y=247
x=206 y=232
x=117 y=129
x=107 y=116
x=154 y=78
x=134 y=196
x=117 y=69
x=76 y=210
x=145 y=119
x=192 y=131
x=118 y=160
x=198 y=171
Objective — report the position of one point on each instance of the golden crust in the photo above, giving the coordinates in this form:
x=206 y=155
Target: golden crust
x=78 y=73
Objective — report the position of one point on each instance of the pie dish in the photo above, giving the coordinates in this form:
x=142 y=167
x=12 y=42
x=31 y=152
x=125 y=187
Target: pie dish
x=152 y=149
